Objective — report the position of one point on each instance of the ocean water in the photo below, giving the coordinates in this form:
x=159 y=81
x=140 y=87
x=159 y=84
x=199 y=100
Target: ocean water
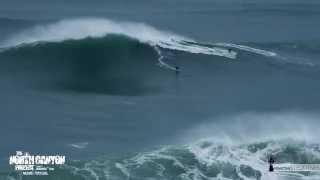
x=103 y=90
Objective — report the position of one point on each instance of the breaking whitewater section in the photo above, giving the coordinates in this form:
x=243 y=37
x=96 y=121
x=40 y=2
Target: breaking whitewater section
x=203 y=160
x=232 y=153
x=77 y=29
x=224 y=156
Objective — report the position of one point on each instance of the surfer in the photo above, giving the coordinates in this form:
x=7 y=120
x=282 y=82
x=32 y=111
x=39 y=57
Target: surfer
x=177 y=70
x=271 y=161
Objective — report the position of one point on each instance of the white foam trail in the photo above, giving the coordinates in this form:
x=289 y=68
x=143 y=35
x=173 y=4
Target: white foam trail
x=95 y=27
x=161 y=62
x=80 y=145
x=123 y=169
x=249 y=49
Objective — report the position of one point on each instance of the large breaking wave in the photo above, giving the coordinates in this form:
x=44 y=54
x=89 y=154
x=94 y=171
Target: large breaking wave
x=82 y=28
x=221 y=153
x=84 y=54
x=215 y=157
x=204 y=160
x=76 y=29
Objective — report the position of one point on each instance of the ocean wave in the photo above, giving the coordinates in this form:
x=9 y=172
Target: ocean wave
x=213 y=158
x=111 y=65
x=119 y=58
x=219 y=158
x=78 y=29
x=94 y=27
x=203 y=160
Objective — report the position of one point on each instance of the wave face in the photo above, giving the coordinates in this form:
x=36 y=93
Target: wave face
x=85 y=55
x=88 y=65
x=82 y=28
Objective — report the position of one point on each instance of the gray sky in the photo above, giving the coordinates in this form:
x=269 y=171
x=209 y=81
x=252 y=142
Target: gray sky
x=85 y=4
x=48 y=9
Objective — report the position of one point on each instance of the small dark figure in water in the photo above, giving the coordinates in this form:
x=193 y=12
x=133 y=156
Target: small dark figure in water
x=177 y=69
x=230 y=50
x=271 y=161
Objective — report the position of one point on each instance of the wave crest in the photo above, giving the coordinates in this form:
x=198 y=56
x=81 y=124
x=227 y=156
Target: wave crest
x=83 y=28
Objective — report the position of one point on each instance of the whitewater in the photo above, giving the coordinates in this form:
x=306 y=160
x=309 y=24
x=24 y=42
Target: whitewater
x=74 y=29
x=224 y=156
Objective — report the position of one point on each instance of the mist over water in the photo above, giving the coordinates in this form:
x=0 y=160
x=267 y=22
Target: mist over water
x=103 y=90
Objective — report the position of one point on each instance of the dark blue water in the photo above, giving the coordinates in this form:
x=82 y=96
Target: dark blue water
x=93 y=89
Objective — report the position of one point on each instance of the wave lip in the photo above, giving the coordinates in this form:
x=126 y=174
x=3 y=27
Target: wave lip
x=249 y=49
x=94 y=27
